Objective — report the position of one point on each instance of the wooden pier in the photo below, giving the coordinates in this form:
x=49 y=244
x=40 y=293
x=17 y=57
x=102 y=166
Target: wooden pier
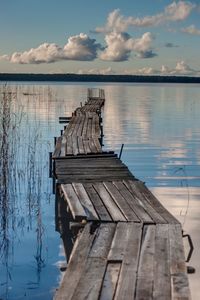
x=127 y=246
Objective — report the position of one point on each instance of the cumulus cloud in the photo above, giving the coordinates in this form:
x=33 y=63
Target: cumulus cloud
x=79 y=47
x=181 y=68
x=191 y=30
x=120 y=45
x=106 y=71
x=176 y=11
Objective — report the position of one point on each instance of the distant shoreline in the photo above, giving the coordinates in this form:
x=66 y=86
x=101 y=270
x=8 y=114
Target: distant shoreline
x=97 y=78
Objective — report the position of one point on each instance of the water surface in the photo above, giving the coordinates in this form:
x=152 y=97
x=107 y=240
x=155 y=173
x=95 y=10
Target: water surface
x=159 y=125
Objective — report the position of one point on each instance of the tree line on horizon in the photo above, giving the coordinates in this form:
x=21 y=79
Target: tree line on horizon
x=97 y=78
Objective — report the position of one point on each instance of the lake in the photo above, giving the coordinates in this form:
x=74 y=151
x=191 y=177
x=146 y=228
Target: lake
x=159 y=127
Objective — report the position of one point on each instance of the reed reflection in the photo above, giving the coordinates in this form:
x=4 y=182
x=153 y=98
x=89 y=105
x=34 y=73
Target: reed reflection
x=23 y=183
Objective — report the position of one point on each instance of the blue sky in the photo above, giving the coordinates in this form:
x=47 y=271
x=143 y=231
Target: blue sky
x=108 y=37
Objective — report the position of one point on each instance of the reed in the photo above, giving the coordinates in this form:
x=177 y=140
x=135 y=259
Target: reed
x=24 y=183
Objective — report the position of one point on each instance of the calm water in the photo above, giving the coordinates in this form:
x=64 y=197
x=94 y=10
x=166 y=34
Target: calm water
x=159 y=125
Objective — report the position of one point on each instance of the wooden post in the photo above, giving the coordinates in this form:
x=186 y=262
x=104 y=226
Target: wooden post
x=120 y=154
x=50 y=164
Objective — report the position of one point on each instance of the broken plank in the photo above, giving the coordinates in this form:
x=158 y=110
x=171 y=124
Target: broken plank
x=110 y=281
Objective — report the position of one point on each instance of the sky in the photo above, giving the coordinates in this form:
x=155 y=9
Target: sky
x=100 y=37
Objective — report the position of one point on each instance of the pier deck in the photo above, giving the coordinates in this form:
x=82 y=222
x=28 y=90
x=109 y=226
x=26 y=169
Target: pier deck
x=128 y=245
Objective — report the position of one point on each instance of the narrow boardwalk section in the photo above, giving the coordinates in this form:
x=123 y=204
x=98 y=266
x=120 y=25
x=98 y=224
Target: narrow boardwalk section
x=127 y=246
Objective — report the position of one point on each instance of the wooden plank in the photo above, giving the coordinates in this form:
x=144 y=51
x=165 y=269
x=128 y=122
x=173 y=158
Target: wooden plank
x=76 y=264
x=98 y=204
x=97 y=144
x=145 y=278
x=89 y=127
x=86 y=145
x=80 y=145
x=69 y=146
x=92 y=145
x=75 y=145
x=127 y=280
x=85 y=201
x=84 y=131
x=76 y=208
x=103 y=240
x=63 y=146
x=162 y=279
x=110 y=281
x=149 y=207
x=56 y=152
x=179 y=278
x=90 y=282
x=119 y=243
x=135 y=204
x=121 y=202
x=156 y=204
x=93 y=179
x=109 y=202
x=91 y=279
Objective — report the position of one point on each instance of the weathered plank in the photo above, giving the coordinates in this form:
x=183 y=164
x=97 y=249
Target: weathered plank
x=121 y=202
x=85 y=201
x=133 y=203
x=110 y=281
x=179 y=279
x=91 y=279
x=145 y=278
x=109 y=202
x=103 y=240
x=76 y=264
x=127 y=278
x=98 y=204
x=156 y=204
x=119 y=243
x=76 y=208
x=162 y=279
x=148 y=206
x=90 y=282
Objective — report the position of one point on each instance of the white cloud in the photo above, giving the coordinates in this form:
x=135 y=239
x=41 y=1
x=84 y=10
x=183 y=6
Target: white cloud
x=181 y=68
x=191 y=30
x=120 y=46
x=79 y=47
x=176 y=11
x=106 y=71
